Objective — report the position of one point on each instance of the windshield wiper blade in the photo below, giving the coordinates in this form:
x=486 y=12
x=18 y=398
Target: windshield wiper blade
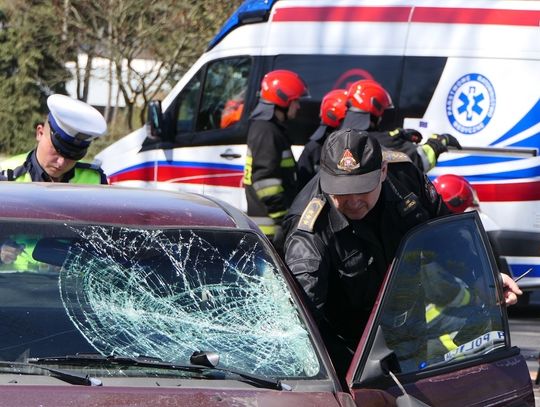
x=68 y=377
x=208 y=370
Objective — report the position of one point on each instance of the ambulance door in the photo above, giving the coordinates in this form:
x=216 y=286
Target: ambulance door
x=439 y=331
x=202 y=144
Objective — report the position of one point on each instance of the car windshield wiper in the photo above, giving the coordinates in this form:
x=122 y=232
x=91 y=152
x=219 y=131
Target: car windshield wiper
x=198 y=360
x=68 y=377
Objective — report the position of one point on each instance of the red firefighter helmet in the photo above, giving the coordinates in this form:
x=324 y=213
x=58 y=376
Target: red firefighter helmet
x=455 y=191
x=333 y=107
x=369 y=96
x=281 y=87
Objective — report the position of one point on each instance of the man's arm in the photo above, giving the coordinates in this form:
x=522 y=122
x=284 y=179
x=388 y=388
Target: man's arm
x=307 y=258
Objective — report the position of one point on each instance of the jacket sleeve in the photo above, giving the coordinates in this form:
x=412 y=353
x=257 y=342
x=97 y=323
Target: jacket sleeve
x=308 y=260
x=266 y=174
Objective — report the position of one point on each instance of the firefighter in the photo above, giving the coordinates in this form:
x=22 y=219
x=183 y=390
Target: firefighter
x=270 y=175
x=62 y=140
x=332 y=111
x=367 y=102
x=345 y=226
x=456 y=192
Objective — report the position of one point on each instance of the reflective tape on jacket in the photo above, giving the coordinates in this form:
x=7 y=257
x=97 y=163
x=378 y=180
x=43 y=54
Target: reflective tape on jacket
x=266 y=224
x=268 y=187
x=81 y=176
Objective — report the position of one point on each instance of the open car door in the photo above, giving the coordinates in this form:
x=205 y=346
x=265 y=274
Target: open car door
x=438 y=334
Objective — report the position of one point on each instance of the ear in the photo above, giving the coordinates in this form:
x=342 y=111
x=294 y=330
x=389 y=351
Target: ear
x=40 y=130
x=384 y=170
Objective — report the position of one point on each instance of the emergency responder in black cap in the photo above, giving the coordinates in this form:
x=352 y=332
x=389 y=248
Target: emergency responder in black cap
x=62 y=140
x=270 y=177
x=344 y=228
x=367 y=102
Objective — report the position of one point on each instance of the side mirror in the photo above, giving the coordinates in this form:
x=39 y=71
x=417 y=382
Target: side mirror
x=154 y=119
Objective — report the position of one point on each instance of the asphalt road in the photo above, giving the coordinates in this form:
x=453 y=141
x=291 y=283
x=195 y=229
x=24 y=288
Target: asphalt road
x=525 y=333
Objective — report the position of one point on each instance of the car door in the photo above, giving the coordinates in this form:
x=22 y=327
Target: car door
x=438 y=334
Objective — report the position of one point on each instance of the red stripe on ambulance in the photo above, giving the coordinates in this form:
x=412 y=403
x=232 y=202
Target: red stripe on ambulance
x=185 y=175
x=404 y=14
x=518 y=192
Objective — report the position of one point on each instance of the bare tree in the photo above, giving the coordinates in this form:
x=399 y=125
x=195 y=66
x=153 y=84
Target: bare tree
x=149 y=43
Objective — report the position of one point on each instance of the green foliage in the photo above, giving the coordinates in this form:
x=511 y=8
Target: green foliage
x=31 y=67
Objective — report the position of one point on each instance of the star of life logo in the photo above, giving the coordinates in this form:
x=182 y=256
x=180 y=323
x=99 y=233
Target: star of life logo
x=471 y=103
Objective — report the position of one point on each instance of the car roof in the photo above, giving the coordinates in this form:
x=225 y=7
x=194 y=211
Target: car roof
x=116 y=205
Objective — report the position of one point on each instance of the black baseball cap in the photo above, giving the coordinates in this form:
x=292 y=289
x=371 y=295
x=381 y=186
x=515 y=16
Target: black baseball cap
x=351 y=162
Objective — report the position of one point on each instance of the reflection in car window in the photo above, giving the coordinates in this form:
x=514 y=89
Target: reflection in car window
x=223 y=93
x=441 y=306
x=159 y=293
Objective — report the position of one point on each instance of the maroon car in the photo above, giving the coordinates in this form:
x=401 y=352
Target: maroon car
x=116 y=296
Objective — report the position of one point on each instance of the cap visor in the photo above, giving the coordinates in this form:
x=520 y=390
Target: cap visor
x=349 y=184
x=68 y=150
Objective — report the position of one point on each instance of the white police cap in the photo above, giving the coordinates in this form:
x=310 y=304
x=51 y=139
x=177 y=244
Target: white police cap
x=74 y=124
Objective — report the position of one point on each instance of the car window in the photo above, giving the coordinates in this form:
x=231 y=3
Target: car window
x=224 y=93
x=442 y=306
x=187 y=105
x=161 y=293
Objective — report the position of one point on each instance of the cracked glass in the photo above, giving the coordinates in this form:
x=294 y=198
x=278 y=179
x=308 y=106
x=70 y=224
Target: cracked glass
x=163 y=293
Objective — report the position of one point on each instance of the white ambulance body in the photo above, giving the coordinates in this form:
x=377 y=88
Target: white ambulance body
x=469 y=68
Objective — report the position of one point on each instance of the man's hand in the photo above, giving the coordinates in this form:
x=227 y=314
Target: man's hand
x=9 y=251
x=511 y=290
x=407 y=134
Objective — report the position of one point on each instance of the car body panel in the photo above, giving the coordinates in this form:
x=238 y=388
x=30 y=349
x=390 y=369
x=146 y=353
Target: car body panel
x=55 y=396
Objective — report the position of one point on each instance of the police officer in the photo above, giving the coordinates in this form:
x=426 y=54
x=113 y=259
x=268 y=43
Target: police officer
x=367 y=101
x=62 y=140
x=344 y=228
x=270 y=175
x=332 y=111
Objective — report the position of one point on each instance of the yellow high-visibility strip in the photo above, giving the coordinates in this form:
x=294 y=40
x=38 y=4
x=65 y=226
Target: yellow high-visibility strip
x=447 y=342
x=269 y=191
x=279 y=214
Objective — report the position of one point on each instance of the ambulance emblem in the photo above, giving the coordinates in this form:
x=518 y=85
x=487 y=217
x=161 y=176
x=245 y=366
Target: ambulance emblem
x=348 y=162
x=470 y=104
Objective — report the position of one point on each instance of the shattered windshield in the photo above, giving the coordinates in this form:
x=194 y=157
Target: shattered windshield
x=156 y=292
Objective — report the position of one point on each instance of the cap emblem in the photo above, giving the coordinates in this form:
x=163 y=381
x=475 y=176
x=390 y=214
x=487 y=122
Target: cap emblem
x=348 y=162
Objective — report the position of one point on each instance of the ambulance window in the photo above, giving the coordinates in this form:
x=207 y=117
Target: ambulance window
x=224 y=93
x=187 y=105
x=440 y=307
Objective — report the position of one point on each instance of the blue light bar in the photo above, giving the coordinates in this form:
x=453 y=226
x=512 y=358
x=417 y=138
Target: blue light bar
x=250 y=11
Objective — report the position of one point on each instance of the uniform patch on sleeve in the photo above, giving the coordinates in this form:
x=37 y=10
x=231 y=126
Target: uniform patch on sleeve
x=431 y=192
x=395 y=156
x=310 y=214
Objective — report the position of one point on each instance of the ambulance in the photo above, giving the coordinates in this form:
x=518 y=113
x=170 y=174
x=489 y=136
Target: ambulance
x=468 y=68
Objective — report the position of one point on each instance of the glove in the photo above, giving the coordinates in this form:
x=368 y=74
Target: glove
x=9 y=251
x=406 y=134
x=440 y=142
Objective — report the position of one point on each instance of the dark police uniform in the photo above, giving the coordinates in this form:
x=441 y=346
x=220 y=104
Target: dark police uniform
x=308 y=162
x=340 y=263
x=270 y=178
x=25 y=168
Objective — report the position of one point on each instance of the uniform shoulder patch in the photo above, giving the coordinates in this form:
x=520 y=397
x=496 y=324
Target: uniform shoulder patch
x=310 y=214
x=395 y=156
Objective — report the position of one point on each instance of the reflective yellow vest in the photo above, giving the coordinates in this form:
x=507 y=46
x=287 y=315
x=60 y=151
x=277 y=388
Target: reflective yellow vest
x=81 y=176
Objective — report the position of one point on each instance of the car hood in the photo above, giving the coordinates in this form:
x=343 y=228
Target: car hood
x=53 y=396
